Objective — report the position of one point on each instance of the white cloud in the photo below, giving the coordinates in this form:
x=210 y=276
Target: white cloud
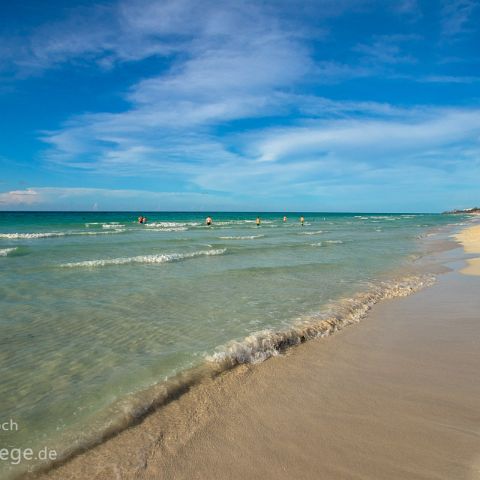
x=19 y=197
x=364 y=138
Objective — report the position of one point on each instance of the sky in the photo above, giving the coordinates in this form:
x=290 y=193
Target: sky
x=198 y=105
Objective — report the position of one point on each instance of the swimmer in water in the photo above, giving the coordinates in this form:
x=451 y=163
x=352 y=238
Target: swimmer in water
x=140 y=219
x=284 y=219
x=257 y=221
x=302 y=220
x=208 y=221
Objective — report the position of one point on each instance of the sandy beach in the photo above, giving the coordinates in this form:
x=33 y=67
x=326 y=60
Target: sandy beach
x=395 y=397
x=470 y=239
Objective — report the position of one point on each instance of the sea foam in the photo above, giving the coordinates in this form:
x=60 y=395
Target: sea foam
x=245 y=237
x=159 y=258
x=5 y=251
x=263 y=344
x=30 y=236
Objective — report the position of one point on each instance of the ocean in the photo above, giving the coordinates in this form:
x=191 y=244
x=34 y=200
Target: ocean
x=103 y=317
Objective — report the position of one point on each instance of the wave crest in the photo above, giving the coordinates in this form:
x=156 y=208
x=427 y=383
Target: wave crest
x=5 y=251
x=245 y=237
x=30 y=236
x=261 y=345
x=159 y=258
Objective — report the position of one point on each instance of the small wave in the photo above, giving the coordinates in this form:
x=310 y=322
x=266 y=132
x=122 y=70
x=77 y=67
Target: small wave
x=29 y=236
x=5 y=251
x=112 y=225
x=168 y=229
x=160 y=258
x=318 y=232
x=239 y=222
x=246 y=237
x=117 y=230
x=14 y=236
x=261 y=345
x=172 y=224
x=325 y=243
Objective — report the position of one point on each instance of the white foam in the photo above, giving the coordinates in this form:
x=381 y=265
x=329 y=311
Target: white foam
x=112 y=225
x=267 y=343
x=30 y=236
x=172 y=224
x=116 y=230
x=246 y=237
x=168 y=229
x=325 y=243
x=5 y=251
x=318 y=232
x=159 y=258
x=14 y=236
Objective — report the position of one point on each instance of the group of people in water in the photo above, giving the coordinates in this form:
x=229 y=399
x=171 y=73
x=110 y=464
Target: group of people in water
x=209 y=221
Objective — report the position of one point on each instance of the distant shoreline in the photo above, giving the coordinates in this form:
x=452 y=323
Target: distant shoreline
x=465 y=211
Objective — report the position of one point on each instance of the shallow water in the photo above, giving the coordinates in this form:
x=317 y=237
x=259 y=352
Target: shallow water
x=95 y=307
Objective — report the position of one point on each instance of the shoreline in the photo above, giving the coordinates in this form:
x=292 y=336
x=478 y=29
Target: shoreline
x=470 y=239
x=209 y=387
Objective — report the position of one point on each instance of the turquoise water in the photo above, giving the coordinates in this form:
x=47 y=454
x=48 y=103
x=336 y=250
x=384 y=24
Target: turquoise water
x=96 y=307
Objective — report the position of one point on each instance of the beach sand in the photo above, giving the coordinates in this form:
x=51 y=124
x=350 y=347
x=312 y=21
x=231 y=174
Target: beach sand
x=470 y=239
x=396 y=397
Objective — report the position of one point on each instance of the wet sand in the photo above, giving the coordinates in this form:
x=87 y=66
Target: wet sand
x=396 y=397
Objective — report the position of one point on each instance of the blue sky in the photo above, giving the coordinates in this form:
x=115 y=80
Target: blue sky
x=326 y=105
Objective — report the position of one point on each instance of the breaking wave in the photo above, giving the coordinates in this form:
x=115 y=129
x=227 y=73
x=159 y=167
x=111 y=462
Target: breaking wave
x=324 y=243
x=159 y=258
x=5 y=251
x=246 y=237
x=168 y=229
x=30 y=236
x=261 y=345
x=113 y=225
x=14 y=236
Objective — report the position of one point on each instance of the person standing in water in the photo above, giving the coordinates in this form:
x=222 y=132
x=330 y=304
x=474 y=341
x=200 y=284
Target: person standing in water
x=208 y=221
x=140 y=219
x=258 y=221
x=302 y=220
x=284 y=219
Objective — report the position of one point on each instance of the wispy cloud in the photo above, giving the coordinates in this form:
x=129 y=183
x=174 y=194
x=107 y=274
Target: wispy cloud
x=456 y=16
x=448 y=79
x=388 y=49
x=240 y=97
